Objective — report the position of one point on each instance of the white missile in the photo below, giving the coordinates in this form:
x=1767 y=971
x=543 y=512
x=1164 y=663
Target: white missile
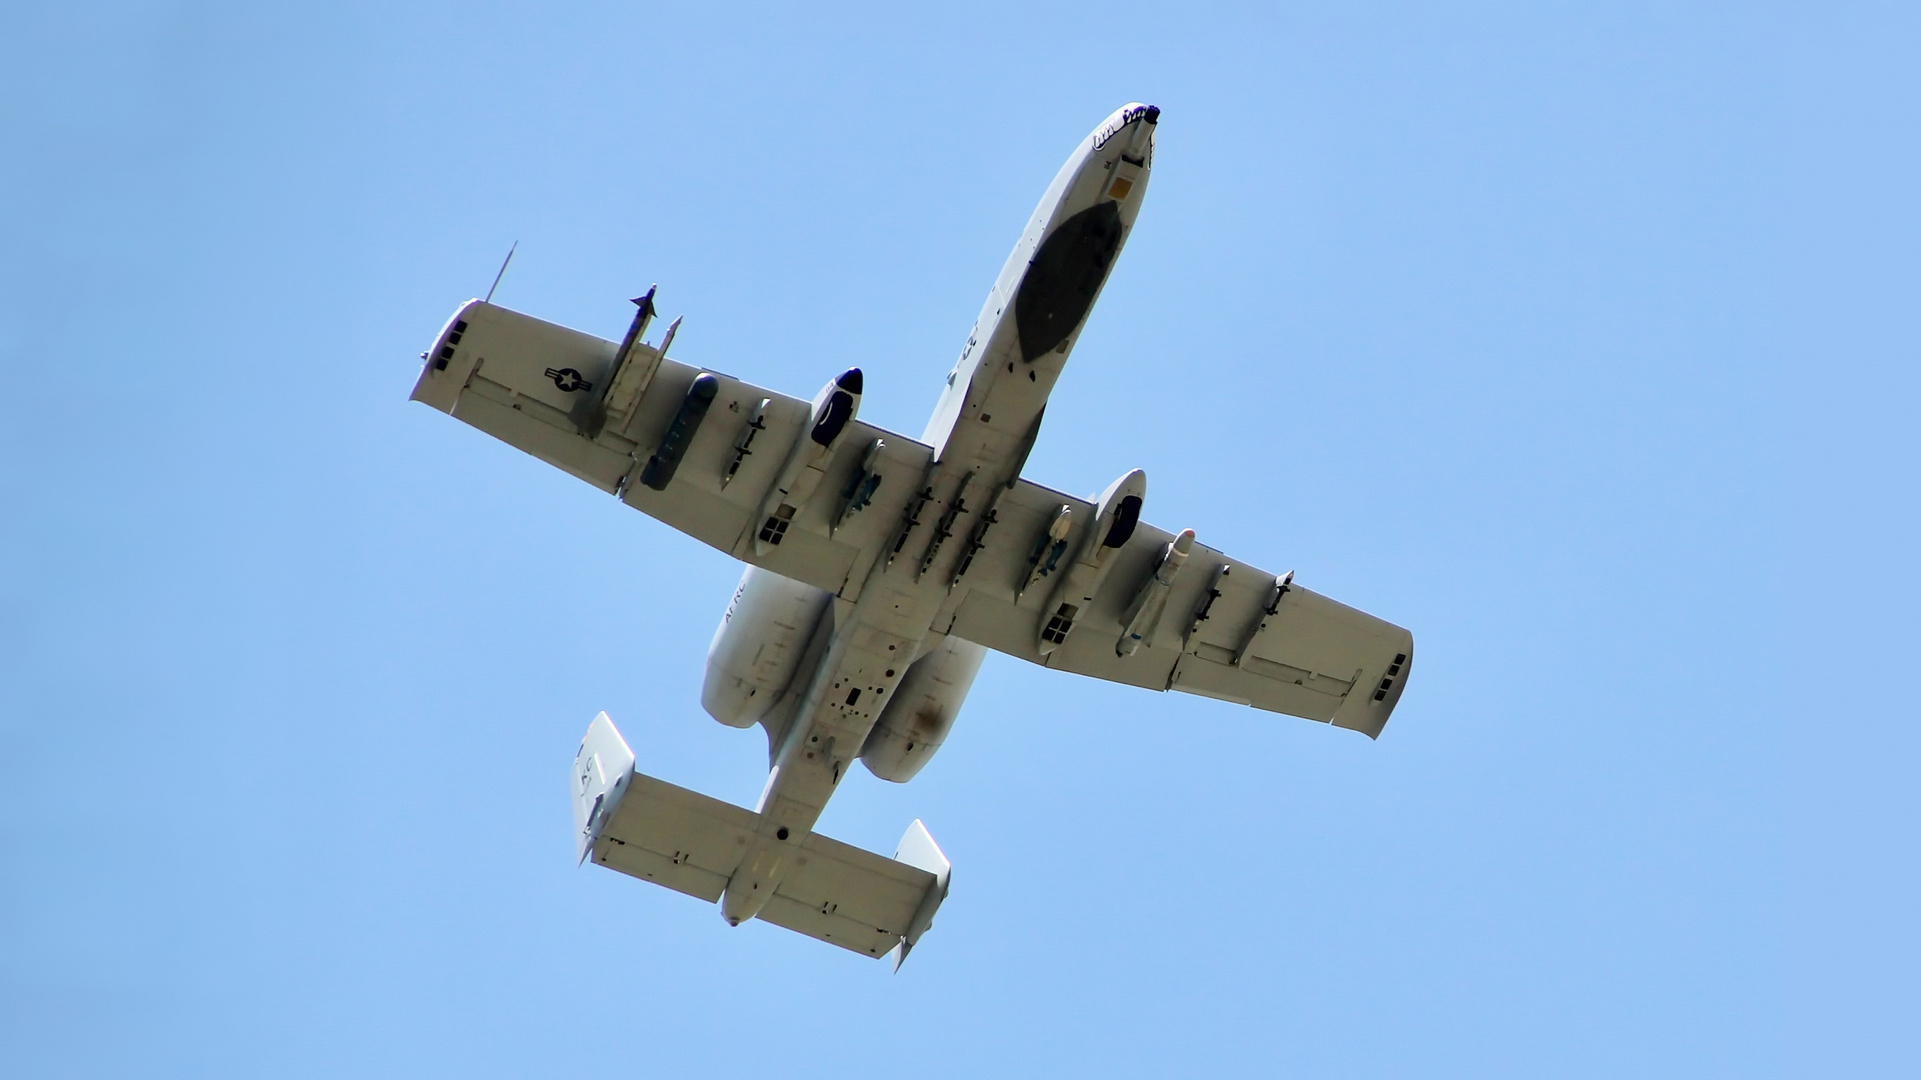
x=1144 y=614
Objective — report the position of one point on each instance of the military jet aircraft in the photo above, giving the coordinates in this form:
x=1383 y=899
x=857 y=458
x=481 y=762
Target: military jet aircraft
x=881 y=569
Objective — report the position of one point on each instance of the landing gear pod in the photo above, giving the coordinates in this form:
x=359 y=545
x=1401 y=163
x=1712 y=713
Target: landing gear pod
x=1120 y=513
x=834 y=409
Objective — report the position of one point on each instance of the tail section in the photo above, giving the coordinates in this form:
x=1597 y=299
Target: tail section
x=691 y=843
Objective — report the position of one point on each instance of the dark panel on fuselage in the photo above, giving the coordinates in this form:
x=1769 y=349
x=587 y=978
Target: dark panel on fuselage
x=1064 y=276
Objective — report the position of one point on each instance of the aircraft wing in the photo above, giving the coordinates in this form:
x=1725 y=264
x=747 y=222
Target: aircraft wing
x=536 y=385
x=1228 y=631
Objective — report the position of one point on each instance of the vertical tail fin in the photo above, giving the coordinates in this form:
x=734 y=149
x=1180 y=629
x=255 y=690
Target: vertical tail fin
x=917 y=849
x=602 y=768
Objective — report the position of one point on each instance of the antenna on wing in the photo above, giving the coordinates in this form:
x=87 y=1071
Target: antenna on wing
x=502 y=274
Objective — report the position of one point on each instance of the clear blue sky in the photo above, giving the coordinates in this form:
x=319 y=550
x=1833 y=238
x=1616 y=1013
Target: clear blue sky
x=1580 y=339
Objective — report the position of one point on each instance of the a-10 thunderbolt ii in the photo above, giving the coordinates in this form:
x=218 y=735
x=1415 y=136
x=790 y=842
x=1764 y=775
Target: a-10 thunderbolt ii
x=881 y=568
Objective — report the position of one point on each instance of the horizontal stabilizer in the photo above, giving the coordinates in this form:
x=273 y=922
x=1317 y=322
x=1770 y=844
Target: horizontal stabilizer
x=691 y=843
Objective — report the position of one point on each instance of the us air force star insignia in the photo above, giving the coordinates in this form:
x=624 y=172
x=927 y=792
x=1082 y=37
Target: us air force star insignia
x=568 y=379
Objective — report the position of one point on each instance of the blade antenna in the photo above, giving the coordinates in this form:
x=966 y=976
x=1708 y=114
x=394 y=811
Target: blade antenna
x=502 y=274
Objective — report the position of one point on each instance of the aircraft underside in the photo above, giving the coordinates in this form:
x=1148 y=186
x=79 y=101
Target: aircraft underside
x=882 y=569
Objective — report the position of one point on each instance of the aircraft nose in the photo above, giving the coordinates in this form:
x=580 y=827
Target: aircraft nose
x=1133 y=121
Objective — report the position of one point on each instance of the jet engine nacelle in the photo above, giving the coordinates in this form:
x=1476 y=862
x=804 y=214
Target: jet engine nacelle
x=759 y=646
x=916 y=721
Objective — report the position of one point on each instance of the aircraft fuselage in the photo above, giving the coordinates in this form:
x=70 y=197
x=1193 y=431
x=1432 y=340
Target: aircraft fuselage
x=981 y=430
